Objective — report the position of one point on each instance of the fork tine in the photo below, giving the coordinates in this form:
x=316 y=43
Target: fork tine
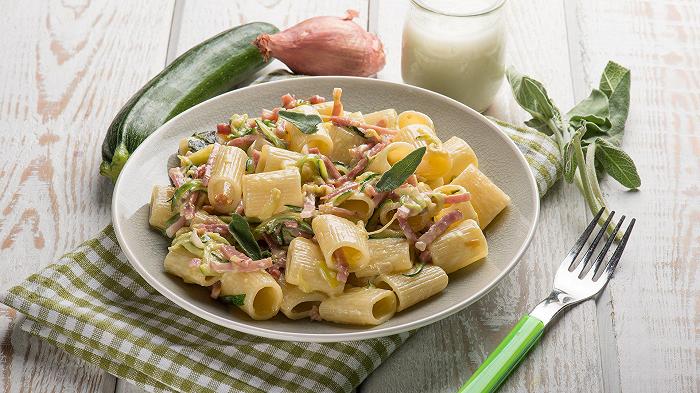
x=587 y=256
x=606 y=247
x=578 y=246
x=618 y=251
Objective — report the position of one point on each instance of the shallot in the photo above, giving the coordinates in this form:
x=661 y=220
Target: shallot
x=325 y=45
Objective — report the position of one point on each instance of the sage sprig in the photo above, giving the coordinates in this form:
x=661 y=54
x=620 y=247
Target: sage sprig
x=398 y=173
x=240 y=230
x=307 y=124
x=588 y=135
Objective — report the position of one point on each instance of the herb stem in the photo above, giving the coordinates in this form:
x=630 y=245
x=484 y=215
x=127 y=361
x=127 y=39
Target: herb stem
x=587 y=182
x=558 y=134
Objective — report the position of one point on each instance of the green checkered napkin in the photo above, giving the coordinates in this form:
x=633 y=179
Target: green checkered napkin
x=92 y=304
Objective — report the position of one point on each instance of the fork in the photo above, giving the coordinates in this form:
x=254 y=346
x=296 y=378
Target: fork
x=573 y=284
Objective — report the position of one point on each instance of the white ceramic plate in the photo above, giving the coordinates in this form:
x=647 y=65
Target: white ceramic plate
x=508 y=235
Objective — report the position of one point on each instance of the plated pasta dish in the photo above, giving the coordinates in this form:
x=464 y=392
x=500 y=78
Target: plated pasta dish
x=319 y=212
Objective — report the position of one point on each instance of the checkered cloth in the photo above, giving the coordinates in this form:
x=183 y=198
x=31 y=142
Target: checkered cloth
x=92 y=304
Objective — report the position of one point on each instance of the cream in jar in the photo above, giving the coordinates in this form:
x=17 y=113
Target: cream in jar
x=456 y=48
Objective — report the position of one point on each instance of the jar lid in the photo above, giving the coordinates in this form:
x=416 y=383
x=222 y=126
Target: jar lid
x=459 y=7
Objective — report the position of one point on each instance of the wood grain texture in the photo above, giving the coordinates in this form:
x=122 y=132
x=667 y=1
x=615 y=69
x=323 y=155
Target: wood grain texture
x=67 y=68
x=442 y=356
x=654 y=300
x=196 y=21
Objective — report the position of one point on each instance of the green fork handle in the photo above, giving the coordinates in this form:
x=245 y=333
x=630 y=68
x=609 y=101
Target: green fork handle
x=503 y=360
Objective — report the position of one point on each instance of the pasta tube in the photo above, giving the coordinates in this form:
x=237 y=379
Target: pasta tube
x=389 y=156
x=338 y=235
x=387 y=118
x=466 y=208
x=436 y=161
x=178 y=262
x=296 y=139
x=262 y=294
x=459 y=247
x=462 y=156
x=343 y=141
x=306 y=268
x=160 y=206
x=359 y=306
x=360 y=204
x=297 y=304
x=411 y=290
x=408 y=118
x=276 y=159
x=224 y=188
x=267 y=193
x=488 y=200
x=386 y=256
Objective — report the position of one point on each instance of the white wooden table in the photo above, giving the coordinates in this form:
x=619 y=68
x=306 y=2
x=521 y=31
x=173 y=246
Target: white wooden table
x=68 y=66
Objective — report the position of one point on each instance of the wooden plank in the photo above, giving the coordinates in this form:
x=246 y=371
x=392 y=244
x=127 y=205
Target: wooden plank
x=67 y=68
x=442 y=356
x=653 y=300
x=200 y=20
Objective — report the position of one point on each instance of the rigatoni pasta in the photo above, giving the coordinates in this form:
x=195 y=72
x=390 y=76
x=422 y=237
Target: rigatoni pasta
x=359 y=306
x=459 y=247
x=324 y=213
x=161 y=208
x=224 y=189
x=411 y=289
x=267 y=193
x=259 y=295
x=341 y=242
x=488 y=200
x=387 y=255
x=306 y=268
x=297 y=304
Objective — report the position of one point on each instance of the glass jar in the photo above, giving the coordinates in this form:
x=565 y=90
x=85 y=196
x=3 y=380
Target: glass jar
x=456 y=48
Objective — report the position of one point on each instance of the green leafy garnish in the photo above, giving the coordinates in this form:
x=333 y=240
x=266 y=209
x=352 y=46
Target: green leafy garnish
x=200 y=140
x=305 y=123
x=235 y=300
x=398 y=173
x=355 y=130
x=276 y=228
x=269 y=134
x=588 y=135
x=419 y=268
x=240 y=230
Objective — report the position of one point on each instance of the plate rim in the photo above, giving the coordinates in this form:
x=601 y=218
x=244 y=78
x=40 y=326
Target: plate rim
x=372 y=332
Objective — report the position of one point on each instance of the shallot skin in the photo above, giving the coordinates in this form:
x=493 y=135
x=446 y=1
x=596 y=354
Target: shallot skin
x=326 y=45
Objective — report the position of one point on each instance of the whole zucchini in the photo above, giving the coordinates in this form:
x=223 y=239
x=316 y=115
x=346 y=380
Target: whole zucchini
x=207 y=70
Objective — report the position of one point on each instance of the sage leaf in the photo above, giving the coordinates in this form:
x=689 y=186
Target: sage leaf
x=612 y=76
x=539 y=126
x=532 y=96
x=592 y=110
x=619 y=101
x=398 y=173
x=236 y=300
x=240 y=230
x=307 y=124
x=617 y=164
